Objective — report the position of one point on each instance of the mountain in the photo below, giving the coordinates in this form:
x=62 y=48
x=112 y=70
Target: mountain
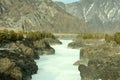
x=99 y=15
x=43 y=15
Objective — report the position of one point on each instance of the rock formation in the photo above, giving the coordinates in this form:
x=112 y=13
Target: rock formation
x=16 y=65
x=100 y=62
x=17 y=55
x=9 y=70
x=87 y=40
x=85 y=43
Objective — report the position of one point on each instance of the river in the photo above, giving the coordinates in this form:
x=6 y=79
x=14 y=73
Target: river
x=58 y=66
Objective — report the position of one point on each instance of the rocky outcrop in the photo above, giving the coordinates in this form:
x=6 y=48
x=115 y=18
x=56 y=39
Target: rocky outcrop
x=30 y=48
x=79 y=42
x=76 y=44
x=103 y=50
x=52 y=41
x=17 y=58
x=21 y=47
x=43 y=48
x=9 y=70
x=40 y=15
x=100 y=62
x=104 y=69
x=16 y=65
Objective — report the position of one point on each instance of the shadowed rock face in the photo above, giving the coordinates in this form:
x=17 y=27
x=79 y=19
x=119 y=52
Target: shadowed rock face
x=99 y=69
x=30 y=48
x=43 y=48
x=16 y=65
x=37 y=15
x=17 y=58
x=99 y=15
x=87 y=73
x=9 y=71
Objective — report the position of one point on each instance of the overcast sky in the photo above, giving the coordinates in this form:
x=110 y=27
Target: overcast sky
x=67 y=1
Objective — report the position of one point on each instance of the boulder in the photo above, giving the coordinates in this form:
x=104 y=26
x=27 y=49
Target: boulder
x=86 y=72
x=9 y=71
x=43 y=48
x=52 y=41
x=25 y=47
x=103 y=50
x=25 y=64
x=21 y=47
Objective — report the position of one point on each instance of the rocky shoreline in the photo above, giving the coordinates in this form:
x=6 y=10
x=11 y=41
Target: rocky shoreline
x=100 y=61
x=78 y=43
x=17 y=57
x=87 y=40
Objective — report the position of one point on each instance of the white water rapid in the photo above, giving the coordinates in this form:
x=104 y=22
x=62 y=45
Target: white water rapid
x=59 y=66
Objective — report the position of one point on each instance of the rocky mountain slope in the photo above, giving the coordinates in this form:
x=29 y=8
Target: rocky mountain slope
x=37 y=15
x=100 y=15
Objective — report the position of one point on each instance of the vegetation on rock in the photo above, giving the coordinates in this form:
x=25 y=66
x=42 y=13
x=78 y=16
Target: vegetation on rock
x=115 y=37
x=109 y=38
x=101 y=61
x=87 y=39
x=16 y=65
x=91 y=35
x=10 y=35
x=18 y=51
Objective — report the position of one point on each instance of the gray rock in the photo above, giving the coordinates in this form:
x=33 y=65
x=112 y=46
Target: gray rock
x=99 y=15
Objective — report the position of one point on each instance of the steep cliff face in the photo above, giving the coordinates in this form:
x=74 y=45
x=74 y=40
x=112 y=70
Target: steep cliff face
x=37 y=15
x=100 y=15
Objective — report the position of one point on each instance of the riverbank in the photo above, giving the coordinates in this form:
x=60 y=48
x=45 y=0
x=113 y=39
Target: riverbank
x=100 y=59
x=65 y=35
x=17 y=53
x=100 y=62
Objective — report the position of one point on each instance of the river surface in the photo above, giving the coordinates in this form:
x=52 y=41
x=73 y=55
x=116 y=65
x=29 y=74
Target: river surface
x=59 y=66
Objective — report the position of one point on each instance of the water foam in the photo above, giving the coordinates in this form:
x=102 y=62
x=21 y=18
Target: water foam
x=58 y=66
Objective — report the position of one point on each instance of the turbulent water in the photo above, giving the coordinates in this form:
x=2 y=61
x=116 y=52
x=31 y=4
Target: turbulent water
x=58 y=66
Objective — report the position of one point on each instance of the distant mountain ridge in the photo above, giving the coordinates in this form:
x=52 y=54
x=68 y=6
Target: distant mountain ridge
x=38 y=15
x=99 y=15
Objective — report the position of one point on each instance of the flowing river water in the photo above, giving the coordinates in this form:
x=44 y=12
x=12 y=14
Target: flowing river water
x=59 y=66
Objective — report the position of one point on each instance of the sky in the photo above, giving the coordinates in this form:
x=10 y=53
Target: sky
x=66 y=1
